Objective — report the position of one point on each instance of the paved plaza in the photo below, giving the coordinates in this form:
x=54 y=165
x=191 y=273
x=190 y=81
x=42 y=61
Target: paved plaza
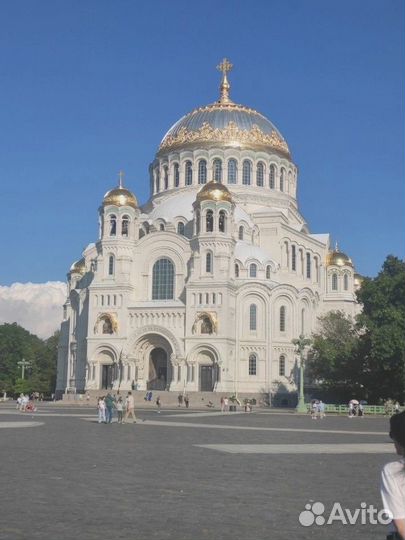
x=185 y=475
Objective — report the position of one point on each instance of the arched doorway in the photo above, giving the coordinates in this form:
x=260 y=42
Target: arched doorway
x=158 y=369
x=208 y=371
x=153 y=354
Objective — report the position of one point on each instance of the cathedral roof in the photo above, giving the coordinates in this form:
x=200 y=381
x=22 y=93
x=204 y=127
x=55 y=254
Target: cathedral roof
x=120 y=196
x=78 y=267
x=338 y=258
x=225 y=123
x=214 y=191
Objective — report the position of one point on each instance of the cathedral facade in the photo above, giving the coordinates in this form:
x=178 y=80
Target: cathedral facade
x=205 y=286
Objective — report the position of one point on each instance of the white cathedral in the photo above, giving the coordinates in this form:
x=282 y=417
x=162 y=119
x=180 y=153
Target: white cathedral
x=205 y=286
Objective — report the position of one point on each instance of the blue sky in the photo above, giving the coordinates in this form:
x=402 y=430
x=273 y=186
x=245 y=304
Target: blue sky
x=90 y=87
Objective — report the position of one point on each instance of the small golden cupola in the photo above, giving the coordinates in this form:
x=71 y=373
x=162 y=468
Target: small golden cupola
x=214 y=191
x=78 y=267
x=120 y=196
x=338 y=258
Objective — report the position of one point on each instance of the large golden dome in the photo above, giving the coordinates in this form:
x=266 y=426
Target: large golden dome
x=224 y=123
x=338 y=258
x=214 y=191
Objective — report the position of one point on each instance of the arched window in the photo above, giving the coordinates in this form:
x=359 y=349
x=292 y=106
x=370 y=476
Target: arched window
x=253 y=317
x=345 y=282
x=166 y=177
x=161 y=227
x=176 y=174
x=236 y=270
x=163 y=280
x=197 y=222
x=157 y=179
x=208 y=262
x=113 y=225
x=202 y=171
x=272 y=177
x=188 y=173
x=293 y=258
x=180 y=228
x=241 y=231
x=253 y=270
x=334 y=282
x=252 y=364
x=260 y=174
x=209 y=221
x=303 y=321
x=217 y=170
x=282 y=318
x=281 y=366
x=111 y=265
x=268 y=271
x=282 y=177
x=232 y=171
x=246 y=172
x=222 y=221
x=308 y=265
x=125 y=226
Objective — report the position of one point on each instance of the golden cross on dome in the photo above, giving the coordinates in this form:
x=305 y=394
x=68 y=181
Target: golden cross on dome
x=121 y=175
x=224 y=67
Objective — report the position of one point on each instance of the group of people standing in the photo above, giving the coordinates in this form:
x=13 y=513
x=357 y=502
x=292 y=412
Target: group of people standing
x=125 y=408
x=317 y=409
x=183 y=399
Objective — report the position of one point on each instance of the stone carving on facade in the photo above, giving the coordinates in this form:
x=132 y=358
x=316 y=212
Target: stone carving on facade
x=207 y=134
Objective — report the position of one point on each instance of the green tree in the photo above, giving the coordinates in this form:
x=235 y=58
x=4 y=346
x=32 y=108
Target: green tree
x=333 y=361
x=17 y=343
x=382 y=324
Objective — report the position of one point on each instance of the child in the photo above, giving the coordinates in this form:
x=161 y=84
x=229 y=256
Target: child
x=120 y=407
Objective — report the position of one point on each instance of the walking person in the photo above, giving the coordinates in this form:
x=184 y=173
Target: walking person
x=180 y=400
x=129 y=408
x=101 y=410
x=120 y=408
x=226 y=404
x=186 y=401
x=321 y=410
x=393 y=480
x=109 y=404
x=158 y=404
x=222 y=404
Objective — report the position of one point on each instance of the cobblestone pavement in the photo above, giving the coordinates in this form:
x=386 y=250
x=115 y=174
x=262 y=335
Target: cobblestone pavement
x=68 y=477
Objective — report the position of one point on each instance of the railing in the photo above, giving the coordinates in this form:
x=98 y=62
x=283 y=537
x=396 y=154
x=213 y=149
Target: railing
x=367 y=409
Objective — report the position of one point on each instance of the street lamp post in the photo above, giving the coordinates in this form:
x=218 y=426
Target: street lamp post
x=300 y=345
x=23 y=363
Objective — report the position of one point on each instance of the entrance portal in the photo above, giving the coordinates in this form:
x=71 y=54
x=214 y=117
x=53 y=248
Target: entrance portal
x=207 y=379
x=107 y=377
x=158 y=370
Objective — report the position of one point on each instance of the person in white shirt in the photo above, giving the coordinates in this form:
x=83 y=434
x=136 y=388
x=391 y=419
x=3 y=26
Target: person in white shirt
x=130 y=408
x=393 y=480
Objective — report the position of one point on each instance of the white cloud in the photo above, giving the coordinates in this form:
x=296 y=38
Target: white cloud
x=35 y=306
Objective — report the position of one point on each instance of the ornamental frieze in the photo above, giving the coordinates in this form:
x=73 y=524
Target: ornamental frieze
x=206 y=133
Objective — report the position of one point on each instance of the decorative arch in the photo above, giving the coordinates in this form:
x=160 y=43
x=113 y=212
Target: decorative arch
x=105 y=320
x=153 y=329
x=205 y=319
